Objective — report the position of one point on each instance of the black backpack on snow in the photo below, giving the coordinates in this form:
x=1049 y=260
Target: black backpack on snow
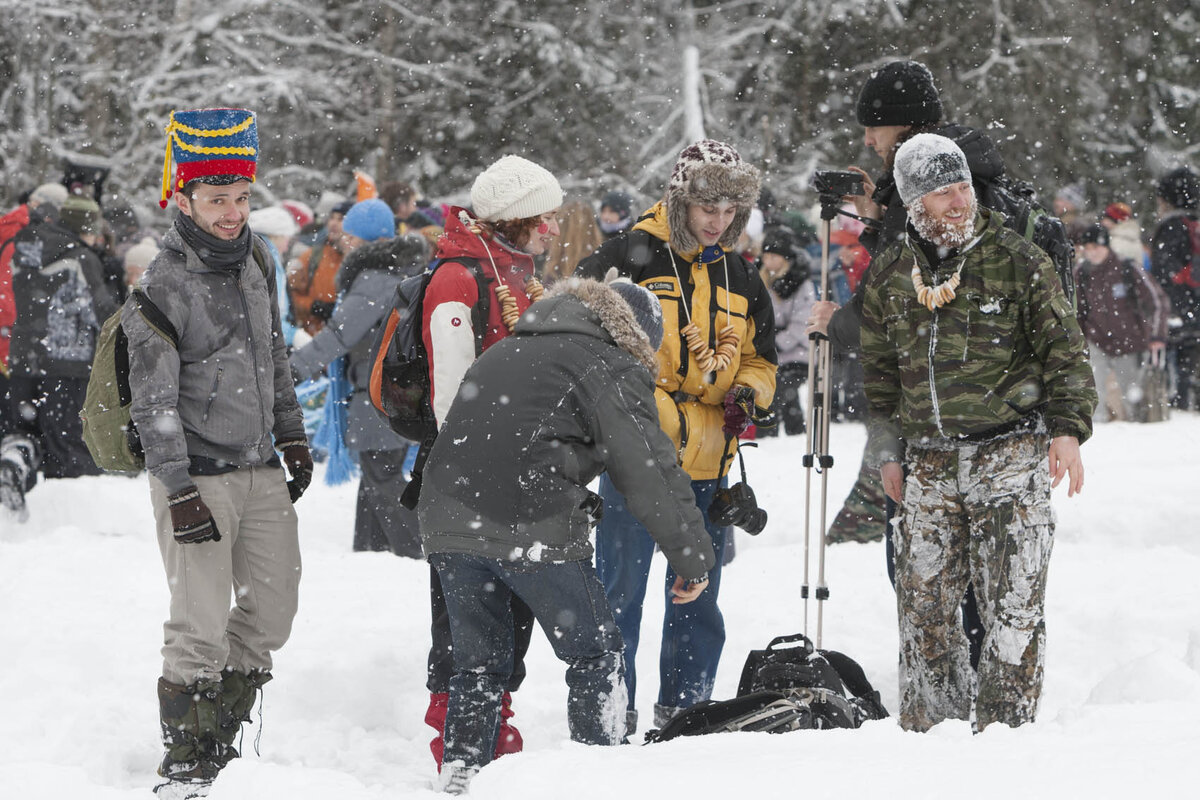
x=1017 y=201
x=788 y=686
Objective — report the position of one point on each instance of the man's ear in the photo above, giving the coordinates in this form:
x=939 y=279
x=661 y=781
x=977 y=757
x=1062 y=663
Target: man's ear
x=184 y=203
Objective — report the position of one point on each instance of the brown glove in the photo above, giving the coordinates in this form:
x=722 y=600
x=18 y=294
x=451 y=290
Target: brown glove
x=191 y=520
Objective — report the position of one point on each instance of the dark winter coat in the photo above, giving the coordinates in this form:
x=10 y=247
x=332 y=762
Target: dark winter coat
x=986 y=165
x=1170 y=253
x=366 y=290
x=62 y=301
x=540 y=415
x=1120 y=308
x=225 y=395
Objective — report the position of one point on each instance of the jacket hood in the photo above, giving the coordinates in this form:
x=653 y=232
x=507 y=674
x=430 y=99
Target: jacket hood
x=604 y=315
x=404 y=255
x=459 y=239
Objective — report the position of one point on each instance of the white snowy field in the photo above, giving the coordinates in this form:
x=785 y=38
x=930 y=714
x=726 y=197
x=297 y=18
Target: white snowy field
x=82 y=596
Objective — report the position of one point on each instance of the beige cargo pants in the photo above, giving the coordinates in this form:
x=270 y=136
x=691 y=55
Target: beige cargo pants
x=256 y=566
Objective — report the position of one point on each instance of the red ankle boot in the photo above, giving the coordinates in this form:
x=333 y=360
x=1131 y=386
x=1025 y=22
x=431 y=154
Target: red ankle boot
x=509 y=740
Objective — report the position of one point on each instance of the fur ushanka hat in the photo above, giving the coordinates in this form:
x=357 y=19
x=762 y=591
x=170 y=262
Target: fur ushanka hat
x=710 y=172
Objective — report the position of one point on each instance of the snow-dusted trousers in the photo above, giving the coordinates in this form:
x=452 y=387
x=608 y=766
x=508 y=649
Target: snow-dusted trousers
x=255 y=566
x=976 y=513
x=568 y=601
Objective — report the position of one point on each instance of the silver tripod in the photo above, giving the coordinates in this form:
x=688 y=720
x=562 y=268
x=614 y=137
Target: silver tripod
x=816 y=453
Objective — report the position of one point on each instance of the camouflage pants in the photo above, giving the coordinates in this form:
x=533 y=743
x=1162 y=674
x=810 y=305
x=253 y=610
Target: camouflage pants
x=979 y=513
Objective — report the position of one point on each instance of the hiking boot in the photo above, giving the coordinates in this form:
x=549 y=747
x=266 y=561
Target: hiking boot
x=194 y=751
x=455 y=777
x=663 y=714
x=239 y=692
x=12 y=493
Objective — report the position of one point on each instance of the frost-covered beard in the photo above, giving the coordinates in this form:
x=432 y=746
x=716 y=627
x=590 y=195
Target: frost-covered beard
x=940 y=232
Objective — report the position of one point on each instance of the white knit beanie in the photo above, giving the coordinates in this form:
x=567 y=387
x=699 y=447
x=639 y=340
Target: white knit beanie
x=273 y=221
x=141 y=254
x=514 y=188
x=927 y=162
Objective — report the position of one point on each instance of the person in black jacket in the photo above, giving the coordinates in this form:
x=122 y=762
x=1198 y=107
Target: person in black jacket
x=62 y=300
x=1176 y=265
x=505 y=509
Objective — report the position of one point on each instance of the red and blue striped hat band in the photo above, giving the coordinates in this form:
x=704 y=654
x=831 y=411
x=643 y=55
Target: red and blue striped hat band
x=209 y=143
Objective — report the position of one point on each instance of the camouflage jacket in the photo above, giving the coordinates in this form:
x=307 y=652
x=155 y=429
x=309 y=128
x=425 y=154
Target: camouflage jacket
x=1006 y=346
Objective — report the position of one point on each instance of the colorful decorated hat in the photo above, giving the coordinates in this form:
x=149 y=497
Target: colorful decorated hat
x=216 y=145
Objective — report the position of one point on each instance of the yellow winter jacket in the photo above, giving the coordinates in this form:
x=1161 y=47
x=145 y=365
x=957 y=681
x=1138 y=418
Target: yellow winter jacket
x=718 y=288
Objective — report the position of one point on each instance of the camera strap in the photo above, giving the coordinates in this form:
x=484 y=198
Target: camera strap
x=742 y=461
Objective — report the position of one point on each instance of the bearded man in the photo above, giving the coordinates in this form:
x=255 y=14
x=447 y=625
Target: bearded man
x=976 y=372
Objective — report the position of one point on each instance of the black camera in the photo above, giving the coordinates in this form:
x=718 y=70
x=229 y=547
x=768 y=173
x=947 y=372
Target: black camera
x=736 y=505
x=837 y=182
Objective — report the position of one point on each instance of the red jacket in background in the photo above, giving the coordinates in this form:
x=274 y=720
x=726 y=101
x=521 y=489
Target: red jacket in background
x=446 y=325
x=10 y=224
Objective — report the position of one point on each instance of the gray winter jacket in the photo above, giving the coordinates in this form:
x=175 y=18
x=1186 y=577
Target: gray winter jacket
x=541 y=414
x=366 y=291
x=227 y=389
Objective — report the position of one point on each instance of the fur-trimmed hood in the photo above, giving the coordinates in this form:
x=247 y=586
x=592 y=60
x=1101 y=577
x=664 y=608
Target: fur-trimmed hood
x=559 y=312
x=709 y=172
x=403 y=255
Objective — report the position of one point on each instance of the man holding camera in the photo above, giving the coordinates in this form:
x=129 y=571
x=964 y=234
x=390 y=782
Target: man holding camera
x=716 y=370
x=897 y=102
x=975 y=371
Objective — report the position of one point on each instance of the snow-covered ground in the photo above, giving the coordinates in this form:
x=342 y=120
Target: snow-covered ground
x=82 y=596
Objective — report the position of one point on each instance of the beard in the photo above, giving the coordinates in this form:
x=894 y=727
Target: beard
x=939 y=231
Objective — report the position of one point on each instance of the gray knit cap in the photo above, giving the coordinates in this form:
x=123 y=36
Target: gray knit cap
x=927 y=162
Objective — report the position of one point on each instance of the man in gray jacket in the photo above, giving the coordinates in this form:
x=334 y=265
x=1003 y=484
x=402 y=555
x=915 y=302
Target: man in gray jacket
x=505 y=509
x=211 y=409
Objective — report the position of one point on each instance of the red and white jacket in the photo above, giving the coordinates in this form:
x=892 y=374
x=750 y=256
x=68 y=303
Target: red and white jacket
x=453 y=292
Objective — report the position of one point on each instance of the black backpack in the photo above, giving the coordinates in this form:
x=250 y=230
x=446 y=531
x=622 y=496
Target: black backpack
x=399 y=387
x=788 y=686
x=1017 y=201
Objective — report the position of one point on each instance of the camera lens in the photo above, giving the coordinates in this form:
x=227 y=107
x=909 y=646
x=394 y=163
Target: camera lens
x=754 y=522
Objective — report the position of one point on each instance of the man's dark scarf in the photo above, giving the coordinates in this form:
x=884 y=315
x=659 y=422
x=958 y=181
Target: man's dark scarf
x=214 y=252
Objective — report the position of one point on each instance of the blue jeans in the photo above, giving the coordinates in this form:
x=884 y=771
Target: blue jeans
x=693 y=633
x=569 y=603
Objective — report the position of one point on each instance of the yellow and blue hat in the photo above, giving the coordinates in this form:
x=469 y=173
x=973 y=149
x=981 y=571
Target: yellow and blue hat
x=215 y=145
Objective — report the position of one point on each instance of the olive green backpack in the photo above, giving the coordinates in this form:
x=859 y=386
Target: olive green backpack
x=108 y=431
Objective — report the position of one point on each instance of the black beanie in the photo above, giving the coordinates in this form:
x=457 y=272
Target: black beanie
x=899 y=93
x=1094 y=234
x=1181 y=188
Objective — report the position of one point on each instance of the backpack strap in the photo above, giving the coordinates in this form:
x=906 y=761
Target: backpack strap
x=155 y=318
x=855 y=680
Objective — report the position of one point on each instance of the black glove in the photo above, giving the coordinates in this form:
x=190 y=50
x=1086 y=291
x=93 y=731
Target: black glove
x=739 y=408
x=322 y=309
x=299 y=466
x=191 y=520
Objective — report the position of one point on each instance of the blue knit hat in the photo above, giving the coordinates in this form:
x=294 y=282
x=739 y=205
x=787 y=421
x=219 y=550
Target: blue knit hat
x=370 y=220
